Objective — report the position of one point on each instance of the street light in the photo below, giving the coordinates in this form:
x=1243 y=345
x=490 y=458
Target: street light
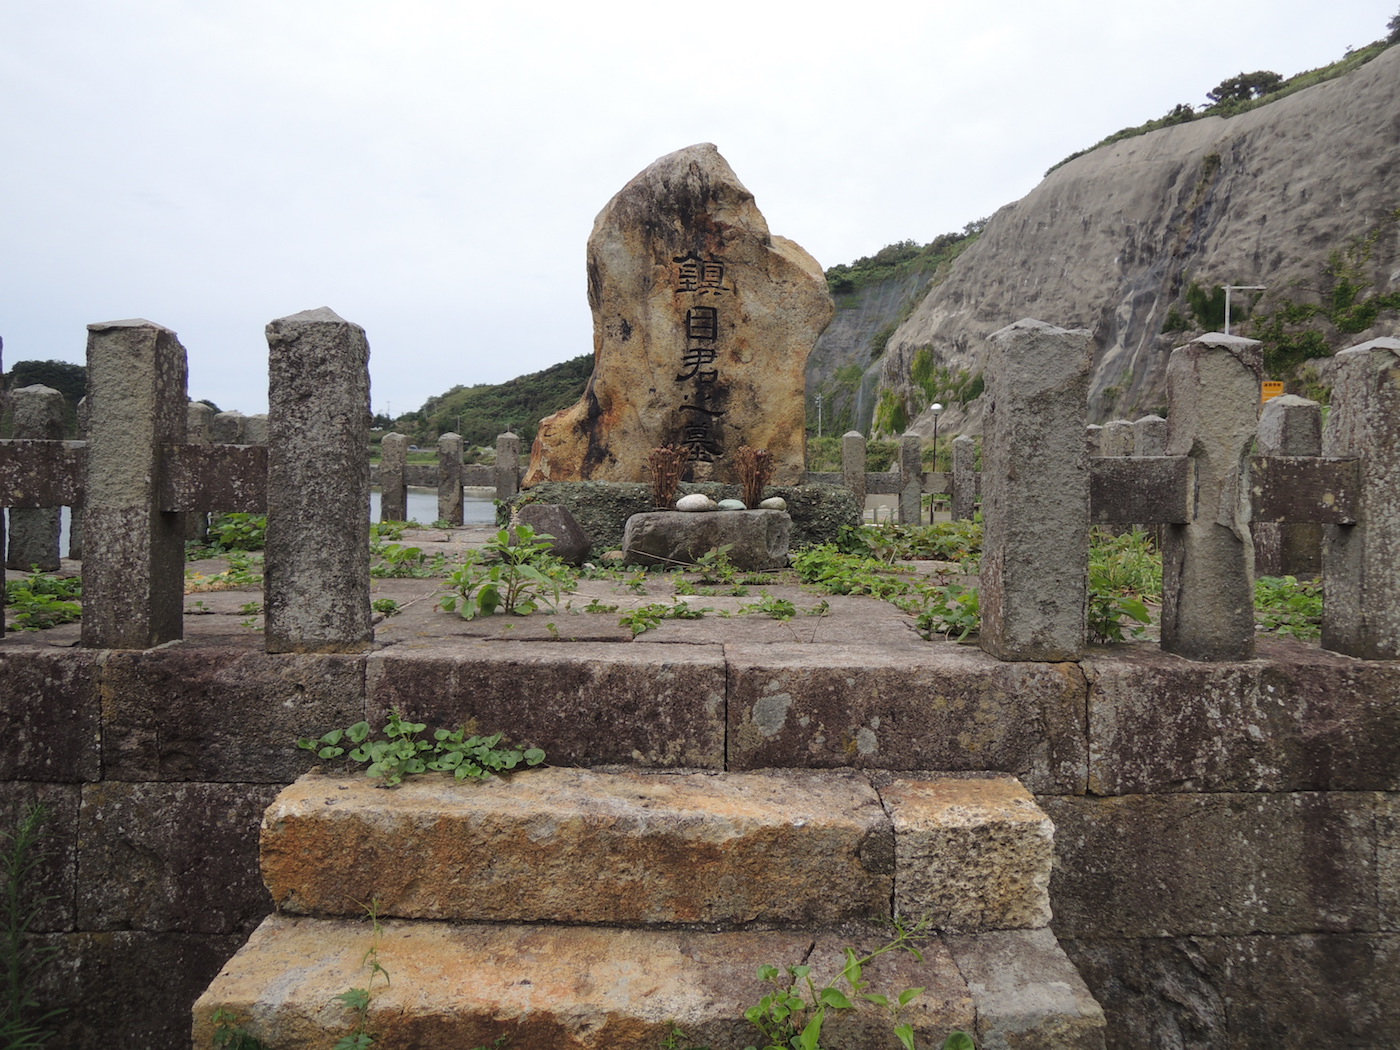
x=1238 y=288
x=936 y=409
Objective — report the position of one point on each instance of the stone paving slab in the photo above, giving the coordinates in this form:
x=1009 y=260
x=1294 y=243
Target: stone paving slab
x=554 y=988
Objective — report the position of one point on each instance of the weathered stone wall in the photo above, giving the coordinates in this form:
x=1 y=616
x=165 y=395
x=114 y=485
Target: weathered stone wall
x=1228 y=834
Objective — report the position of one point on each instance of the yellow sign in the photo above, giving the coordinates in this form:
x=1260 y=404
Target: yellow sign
x=1269 y=389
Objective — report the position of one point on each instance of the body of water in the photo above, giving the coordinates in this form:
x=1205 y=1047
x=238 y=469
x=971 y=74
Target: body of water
x=422 y=506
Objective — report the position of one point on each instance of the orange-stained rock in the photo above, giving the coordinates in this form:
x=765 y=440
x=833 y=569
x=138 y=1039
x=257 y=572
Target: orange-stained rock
x=702 y=323
x=971 y=853
x=575 y=845
x=458 y=986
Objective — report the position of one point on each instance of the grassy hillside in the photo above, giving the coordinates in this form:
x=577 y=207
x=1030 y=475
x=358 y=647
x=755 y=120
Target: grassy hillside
x=482 y=411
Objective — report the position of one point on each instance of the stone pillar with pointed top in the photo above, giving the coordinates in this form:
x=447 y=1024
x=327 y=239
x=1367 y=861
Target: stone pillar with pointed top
x=38 y=415
x=134 y=553
x=910 y=479
x=507 y=465
x=853 y=466
x=1208 y=563
x=393 y=484
x=450 y=478
x=1361 y=562
x=317 y=558
x=1035 y=493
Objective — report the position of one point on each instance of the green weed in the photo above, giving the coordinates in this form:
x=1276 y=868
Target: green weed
x=1289 y=606
x=514 y=572
x=23 y=1023
x=41 y=600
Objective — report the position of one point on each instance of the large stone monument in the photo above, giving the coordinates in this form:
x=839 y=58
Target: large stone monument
x=702 y=323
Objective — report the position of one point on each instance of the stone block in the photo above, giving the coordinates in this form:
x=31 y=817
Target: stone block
x=51 y=883
x=139 y=846
x=1035 y=493
x=1028 y=994
x=1208 y=563
x=578 y=846
x=569 y=540
x=1303 y=719
x=317 y=560
x=52 y=710
x=222 y=714
x=586 y=703
x=1214 y=865
x=393 y=483
x=1361 y=611
x=133 y=554
x=938 y=706
x=1293 y=991
x=553 y=988
x=1388 y=861
x=757 y=539
x=130 y=988
x=449 y=478
x=971 y=853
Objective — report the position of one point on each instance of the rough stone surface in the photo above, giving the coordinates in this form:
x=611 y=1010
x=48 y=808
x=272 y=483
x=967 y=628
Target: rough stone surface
x=1288 y=426
x=1214 y=864
x=1029 y=995
x=1150 y=436
x=136 y=853
x=577 y=846
x=702 y=324
x=758 y=539
x=449 y=479
x=393 y=481
x=134 y=555
x=317 y=561
x=1227 y=991
x=586 y=703
x=188 y=734
x=1113 y=236
x=1361 y=612
x=944 y=707
x=52 y=882
x=1208 y=563
x=1035 y=493
x=575 y=988
x=1301 y=720
x=227 y=428
x=51 y=711
x=971 y=853
x=33 y=539
x=130 y=985
x=570 y=542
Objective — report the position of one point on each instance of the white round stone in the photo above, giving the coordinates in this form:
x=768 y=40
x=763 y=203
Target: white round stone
x=732 y=504
x=773 y=503
x=696 y=501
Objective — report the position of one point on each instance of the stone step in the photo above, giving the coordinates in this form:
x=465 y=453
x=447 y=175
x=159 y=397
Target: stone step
x=790 y=847
x=454 y=986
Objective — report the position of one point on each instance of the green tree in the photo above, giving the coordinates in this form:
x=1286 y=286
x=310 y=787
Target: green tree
x=1244 y=87
x=1394 y=26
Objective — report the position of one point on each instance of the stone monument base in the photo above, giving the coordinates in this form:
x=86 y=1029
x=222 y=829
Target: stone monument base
x=758 y=539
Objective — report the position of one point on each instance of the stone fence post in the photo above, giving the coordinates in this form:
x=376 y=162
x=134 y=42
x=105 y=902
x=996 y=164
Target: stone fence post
x=317 y=558
x=75 y=512
x=199 y=430
x=964 y=478
x=393 y=485
x=1288 y=426
x=1150 y=436
x=38 y=415
x=449 y=506
x=1208 y=562
x=1361 y=562
x=134 y=565
x=853 y=467
x=1035 y=493
x=227 y=428
x=911 y=479
x=507 y=465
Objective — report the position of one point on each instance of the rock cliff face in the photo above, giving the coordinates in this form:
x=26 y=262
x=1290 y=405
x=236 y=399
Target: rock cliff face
x=1111 y=241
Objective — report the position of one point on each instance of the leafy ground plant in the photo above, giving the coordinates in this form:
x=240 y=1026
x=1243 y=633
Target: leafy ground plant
x=41 y=600
x=1287 y=605
x=358 y=1000
x=403 y=751
x=513 y=572
x=23 y=1023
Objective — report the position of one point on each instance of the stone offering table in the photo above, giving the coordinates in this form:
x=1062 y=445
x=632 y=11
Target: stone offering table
x=757 y=539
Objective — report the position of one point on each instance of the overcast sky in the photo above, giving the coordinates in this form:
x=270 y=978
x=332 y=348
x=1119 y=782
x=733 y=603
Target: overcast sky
x=431 y=169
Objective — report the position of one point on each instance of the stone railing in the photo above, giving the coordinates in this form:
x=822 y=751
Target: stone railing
x=1041 y=489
